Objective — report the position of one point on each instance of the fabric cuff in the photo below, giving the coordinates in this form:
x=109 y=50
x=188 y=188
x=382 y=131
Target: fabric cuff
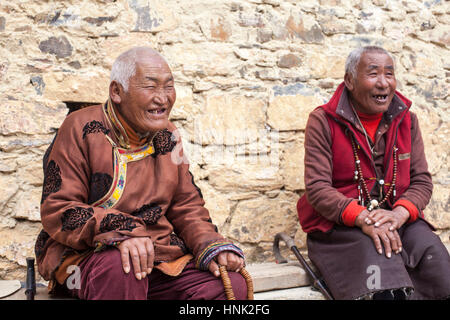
x=408 y=205
x=351 y=212
x=213 y=250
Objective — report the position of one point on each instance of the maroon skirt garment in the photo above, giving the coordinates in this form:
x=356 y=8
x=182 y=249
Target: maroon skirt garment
x=352 y=269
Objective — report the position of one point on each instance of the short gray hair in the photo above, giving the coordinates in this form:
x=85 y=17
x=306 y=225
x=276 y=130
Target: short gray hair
x=355 y=56
x=124 y=67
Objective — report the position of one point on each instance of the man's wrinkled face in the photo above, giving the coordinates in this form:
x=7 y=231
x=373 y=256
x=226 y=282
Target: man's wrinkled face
x=151 y=94
x=374 y=86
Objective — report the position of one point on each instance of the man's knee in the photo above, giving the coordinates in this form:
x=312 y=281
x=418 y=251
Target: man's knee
x=104 y=278
x=107 y=263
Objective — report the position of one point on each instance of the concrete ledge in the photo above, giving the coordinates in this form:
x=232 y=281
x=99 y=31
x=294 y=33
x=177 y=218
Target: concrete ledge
x=41 y=294
x=301 y=293
x=272 y=276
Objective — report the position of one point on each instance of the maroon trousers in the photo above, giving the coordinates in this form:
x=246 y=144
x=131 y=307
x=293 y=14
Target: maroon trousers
x=102 y=278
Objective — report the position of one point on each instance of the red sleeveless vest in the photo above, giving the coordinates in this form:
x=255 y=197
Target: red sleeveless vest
x=398 y=135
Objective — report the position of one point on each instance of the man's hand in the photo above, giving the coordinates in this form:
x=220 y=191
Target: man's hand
x=142 y=256
x=396 y=217
x=229 y=259
x=382 y=235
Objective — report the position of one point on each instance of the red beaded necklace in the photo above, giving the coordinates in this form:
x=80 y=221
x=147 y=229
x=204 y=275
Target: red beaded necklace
x=362 y=186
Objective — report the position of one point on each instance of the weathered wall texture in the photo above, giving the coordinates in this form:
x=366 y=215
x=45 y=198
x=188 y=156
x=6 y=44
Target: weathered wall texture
x=247 y=75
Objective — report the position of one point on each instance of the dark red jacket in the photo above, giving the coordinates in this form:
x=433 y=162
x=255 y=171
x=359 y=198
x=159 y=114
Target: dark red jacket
x=397 y=134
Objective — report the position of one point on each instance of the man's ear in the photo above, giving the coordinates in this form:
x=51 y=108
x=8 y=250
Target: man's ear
x=115 y=92
x=349 y=81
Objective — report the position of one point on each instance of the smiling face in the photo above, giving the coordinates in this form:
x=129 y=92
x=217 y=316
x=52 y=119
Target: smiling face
x=373 y=87
x=151 y=94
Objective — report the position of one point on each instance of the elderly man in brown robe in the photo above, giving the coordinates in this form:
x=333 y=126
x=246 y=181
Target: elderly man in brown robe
x=120 y=209
x=367 y=184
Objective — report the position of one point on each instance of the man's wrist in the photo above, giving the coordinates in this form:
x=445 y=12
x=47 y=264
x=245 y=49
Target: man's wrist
x=359 y=221
x=403 y=212
x=413 y=212
x=351 y=212
x=212 y=250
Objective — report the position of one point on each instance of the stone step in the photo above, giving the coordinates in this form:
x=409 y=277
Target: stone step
x=286 y=281
x=272 y=276
x=299 y=293
x=41 y=294
x=296 y=293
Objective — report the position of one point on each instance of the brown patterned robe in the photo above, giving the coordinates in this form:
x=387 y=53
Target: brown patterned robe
x=97 y=194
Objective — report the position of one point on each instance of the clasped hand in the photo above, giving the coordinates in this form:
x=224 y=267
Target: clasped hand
x=381 y=226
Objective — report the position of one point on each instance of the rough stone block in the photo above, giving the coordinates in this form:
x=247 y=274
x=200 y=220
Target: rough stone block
x=301 y=293
x=258 y=220
x=59 y=46
x=152 y=16
x=20 y=117
x=81 y=86
x=271 y=276
x=239 y=122
x=292 y=107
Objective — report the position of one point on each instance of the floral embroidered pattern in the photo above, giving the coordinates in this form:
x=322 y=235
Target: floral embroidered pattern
x=94 y=127
x=177 y=241
x=150 y=213
x=74 y=218
x=116 y=222
x=40 y=242
x=163 y=142
x=52 y=180
x=99 y=186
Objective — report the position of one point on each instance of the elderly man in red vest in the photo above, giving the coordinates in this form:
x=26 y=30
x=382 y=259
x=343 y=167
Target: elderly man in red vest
x=367 y=184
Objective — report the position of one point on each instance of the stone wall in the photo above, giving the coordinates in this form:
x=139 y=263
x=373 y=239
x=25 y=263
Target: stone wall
x=247 y=75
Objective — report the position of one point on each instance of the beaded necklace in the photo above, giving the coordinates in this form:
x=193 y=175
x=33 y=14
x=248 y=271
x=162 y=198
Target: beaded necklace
x=362 y=186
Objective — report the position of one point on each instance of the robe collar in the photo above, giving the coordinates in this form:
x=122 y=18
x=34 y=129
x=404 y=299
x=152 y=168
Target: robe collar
x=127 y=137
